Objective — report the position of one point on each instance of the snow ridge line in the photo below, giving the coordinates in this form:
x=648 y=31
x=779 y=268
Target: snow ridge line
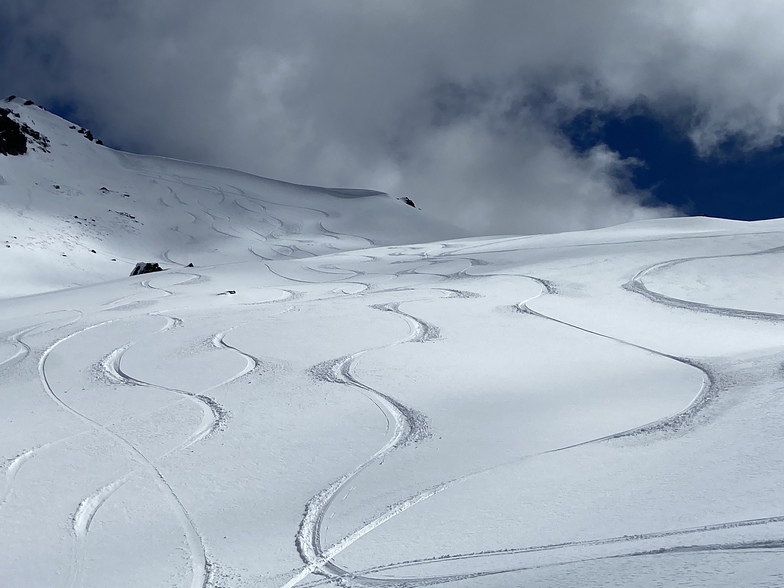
x=410 y=426
x=199 y=562
x=687 y=237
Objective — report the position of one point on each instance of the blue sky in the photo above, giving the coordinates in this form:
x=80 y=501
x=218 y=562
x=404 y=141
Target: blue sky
x=729 y=183
x=529 y=117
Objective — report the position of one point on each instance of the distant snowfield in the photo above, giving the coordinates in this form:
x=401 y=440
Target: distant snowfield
x=587 y=409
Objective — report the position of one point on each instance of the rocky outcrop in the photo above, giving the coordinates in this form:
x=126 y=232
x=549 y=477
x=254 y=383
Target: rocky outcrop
x=144 y=267
x=14 y=135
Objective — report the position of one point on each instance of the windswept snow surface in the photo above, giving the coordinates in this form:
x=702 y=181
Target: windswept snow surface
x=587 y=409
x=79 y=213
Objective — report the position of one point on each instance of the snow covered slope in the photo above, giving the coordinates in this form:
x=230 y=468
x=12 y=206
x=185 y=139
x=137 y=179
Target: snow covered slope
x=77 y=213
x=587 y=409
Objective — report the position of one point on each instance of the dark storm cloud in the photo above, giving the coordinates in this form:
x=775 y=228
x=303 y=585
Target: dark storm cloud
x=456 y=103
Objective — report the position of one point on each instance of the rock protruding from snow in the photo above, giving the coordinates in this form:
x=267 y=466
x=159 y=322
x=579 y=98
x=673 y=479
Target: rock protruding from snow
x=145 y=267
x=14 y=135
x=12 y=139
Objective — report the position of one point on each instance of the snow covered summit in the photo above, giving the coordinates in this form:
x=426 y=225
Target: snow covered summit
x=73 y=212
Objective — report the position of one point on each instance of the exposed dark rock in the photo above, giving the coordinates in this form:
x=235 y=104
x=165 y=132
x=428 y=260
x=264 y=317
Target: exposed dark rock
x=14 y=135
x=89 y=136
x=99 y=142
x=56 y=187
x=28 y=102
x=408 y=201
x=144 y=267
x=189 y=265
x=11 y=98
x=12 y=140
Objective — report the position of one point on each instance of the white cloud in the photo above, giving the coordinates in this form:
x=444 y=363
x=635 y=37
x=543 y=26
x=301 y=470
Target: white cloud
x=454 y=102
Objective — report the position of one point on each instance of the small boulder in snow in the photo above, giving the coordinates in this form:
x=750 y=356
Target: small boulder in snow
x=145 y=267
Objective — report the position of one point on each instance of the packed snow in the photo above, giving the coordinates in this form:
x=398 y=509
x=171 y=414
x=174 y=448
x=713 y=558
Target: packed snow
x=345 y=391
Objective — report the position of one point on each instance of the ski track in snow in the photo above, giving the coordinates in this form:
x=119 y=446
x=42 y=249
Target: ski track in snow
x=23 y=351
x=586 y=543
x=417 y=581
x=88 y=507
x=255 y=201
x=319 y=560
x=637 y=285
x=408 y=426
x=16 y=464
x=22 y=348
x=707 y=393
x=252 y=362
x=282 y=237
x=214 y=419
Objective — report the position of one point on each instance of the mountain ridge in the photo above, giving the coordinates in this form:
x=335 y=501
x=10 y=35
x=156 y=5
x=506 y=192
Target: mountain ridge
x=77 y=212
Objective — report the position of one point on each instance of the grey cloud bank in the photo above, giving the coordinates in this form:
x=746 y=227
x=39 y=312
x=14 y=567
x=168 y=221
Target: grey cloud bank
x=457 y=104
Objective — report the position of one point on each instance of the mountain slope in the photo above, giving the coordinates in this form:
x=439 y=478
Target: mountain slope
x=600 y=408
x=70 y=210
